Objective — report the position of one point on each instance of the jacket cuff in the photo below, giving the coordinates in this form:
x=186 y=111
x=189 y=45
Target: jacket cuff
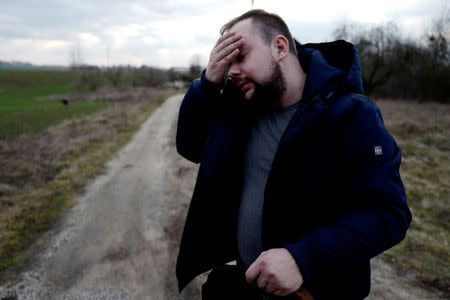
x=210 y=86
x=306 y=254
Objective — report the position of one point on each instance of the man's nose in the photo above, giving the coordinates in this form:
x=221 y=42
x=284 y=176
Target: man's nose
x=234 y=70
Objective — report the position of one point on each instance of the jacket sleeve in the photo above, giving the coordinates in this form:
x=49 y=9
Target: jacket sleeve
x=195 y=117
x=377 y=216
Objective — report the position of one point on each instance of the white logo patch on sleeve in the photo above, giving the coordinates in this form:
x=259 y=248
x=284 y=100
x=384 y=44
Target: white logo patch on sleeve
x=378 y=150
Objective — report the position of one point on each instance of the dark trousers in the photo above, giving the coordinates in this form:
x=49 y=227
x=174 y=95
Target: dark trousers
x=228 y=282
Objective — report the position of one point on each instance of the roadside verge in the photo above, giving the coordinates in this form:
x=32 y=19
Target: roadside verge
x=42 y=173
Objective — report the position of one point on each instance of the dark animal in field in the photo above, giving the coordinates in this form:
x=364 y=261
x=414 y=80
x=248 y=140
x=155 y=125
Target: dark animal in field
x=64 y=101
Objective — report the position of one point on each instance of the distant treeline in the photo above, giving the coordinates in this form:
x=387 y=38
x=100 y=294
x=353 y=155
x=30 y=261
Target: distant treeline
x=92 y=77
x=18 y=65
x=122 y=76
x=395 y=67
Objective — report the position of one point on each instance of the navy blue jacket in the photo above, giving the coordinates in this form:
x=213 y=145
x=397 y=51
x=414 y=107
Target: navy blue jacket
x=334 y=197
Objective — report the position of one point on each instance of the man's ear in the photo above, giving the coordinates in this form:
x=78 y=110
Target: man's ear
x=281 y=47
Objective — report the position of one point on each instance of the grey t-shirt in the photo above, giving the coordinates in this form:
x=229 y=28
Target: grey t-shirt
x=263 y=142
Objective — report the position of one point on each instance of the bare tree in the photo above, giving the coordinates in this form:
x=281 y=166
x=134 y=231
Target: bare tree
x=76 y=56
x=195 y=67
x=375 y=46
x=439 y=38
x=342 y=32
x=435 y=73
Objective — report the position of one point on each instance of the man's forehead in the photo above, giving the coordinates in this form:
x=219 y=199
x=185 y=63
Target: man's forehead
x=244 y=27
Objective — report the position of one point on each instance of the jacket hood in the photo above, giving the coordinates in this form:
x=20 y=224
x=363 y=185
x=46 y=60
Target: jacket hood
x=329 y=67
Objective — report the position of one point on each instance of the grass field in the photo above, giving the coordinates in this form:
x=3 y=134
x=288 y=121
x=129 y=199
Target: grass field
x=21 y=113
x=29 y=79
x=62 y=149
x=422 y=131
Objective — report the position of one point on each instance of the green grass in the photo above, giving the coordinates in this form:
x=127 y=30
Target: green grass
x=29 y=79
x=20 y=112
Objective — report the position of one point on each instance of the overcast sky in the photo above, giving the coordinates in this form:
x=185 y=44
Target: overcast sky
x=166 y=33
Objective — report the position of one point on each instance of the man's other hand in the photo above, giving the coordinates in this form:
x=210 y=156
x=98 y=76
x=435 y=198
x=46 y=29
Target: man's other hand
x=223 y=53
x=276 y=272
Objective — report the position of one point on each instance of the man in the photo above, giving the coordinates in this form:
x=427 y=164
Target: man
x=299 y=179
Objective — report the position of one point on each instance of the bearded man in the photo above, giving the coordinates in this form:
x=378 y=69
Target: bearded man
x=299 y=179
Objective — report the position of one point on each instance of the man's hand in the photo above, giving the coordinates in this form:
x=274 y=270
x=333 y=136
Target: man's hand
x=276 y=272
x=223 y=53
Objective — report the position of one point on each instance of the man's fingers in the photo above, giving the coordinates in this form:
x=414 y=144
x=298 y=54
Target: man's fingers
x=224 y=37
x=271 y=288
x=234 y=38
x=222 y=54
x=261 y=282
x=230 y=57
x=276 y=272
x=228 y=49
x=252 y=272
x=227 y=39
x=219 y=68
x=226 y=43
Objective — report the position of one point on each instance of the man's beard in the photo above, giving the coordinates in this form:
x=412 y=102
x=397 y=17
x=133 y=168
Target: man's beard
x=268 y=94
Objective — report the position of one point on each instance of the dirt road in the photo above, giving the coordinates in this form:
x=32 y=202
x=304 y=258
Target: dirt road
x=121 y=240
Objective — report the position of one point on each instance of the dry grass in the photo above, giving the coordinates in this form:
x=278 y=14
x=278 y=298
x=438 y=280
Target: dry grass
x=42 y=173
x=422 y=131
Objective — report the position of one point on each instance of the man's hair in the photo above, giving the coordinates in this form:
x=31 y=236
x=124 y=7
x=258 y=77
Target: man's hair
x=269 y=26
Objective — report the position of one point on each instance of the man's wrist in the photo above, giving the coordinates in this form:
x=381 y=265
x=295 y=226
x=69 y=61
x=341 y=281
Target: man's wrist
x=210 y=85
x=212 y=79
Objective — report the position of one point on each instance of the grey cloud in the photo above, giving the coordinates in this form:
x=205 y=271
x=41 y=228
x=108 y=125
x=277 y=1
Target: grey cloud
x=53 y=18
x=65 y=20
